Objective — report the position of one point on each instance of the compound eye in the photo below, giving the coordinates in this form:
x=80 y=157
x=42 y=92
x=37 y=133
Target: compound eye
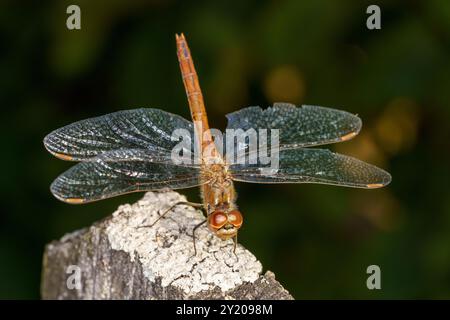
x=235 y=218
x=217 y=219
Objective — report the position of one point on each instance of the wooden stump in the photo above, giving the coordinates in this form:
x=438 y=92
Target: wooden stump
x=115 y=259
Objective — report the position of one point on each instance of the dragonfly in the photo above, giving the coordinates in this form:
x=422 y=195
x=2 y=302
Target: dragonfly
x=131 y=150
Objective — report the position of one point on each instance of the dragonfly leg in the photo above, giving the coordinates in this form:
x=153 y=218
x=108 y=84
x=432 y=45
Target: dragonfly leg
x=193 y=234
x=193 y=204
x=234 y=246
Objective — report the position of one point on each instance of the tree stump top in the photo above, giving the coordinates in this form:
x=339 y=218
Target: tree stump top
x=120 y=259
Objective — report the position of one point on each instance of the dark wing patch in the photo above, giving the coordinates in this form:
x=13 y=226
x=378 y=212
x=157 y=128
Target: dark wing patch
x=313 y=166
x=122 y=171
x=149 y=129
x=298 y=126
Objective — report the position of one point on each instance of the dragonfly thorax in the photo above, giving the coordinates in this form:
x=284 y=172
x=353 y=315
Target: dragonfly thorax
x=218 y=192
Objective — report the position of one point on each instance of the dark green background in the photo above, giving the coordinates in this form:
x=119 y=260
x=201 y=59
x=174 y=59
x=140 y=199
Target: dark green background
x=318 y=240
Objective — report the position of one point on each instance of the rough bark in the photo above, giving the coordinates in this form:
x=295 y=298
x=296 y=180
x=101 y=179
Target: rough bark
x=118 y=260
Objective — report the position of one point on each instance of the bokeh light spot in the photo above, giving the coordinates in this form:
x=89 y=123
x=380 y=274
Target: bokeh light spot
x=396 y=128
x=284 y=84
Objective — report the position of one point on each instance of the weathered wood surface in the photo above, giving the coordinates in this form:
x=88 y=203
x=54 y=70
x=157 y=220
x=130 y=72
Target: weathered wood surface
x=118 y=260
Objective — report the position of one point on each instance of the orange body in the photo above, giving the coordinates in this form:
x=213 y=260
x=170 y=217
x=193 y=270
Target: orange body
x=218 y=194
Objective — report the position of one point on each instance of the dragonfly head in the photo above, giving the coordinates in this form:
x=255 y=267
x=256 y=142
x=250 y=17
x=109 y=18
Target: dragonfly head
x=225 y=224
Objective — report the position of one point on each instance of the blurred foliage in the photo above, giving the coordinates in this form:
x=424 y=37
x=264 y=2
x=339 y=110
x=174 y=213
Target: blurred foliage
x=318 y=240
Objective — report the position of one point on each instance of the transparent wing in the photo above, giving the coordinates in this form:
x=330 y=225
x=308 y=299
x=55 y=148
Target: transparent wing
x=313 y=166
x=149 y=129
x=122 y=171
x=298 y=126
